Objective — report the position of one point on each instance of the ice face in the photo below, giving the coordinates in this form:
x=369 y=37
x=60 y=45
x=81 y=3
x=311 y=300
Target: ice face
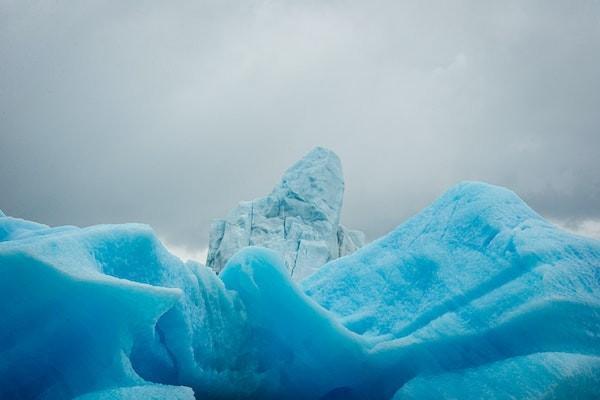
x=466 y=250
x=545 y=375
x=107 y=306
x=300 y=219
x=68 y=319
x=467 y=288
x=475 y=297
x=146 y=392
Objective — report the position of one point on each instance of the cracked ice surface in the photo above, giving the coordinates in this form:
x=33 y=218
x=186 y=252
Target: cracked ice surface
x=300 y=219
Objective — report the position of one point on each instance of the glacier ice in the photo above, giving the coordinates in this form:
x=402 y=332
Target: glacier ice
x=145 y=392
x=476 y=284
x=117 y=302
x=477 y=296
x=68 y=320
x=300 y=219
x=546 y=375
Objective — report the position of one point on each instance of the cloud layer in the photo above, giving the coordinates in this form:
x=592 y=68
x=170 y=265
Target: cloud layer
x=171 y=113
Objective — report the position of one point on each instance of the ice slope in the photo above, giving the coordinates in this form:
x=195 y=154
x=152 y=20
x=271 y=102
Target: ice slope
x=533 y=376
x=467 y=287
x=68 y=321
x=475 y=297
x=107 y=312
x=142 y=392
x=300 y=219
x=108 y=306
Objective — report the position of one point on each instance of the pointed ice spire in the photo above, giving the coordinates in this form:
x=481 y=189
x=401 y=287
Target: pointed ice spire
x=300 y=218
x=316 y=180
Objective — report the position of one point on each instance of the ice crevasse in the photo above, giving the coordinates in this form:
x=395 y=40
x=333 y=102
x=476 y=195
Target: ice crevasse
x=475 y=297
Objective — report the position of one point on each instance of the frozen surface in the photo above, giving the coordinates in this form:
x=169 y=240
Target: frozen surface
x=68 y=319
x=534 y=376
x=300 y=219
x=108 y=306
x=465 y=288
x=475 y=297
x=145 y=392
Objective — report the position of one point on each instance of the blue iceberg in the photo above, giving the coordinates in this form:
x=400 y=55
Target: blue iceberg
x=478 y=286
x=475 y=297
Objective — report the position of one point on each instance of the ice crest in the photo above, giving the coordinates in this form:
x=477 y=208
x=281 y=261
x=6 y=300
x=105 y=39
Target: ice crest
x=300 y=219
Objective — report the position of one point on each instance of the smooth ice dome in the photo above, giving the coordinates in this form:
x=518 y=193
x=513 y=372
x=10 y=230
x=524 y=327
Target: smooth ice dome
x=300 y=219
x=475 y=297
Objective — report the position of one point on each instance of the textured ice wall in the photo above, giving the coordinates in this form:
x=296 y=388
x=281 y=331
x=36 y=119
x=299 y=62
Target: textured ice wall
x=475 y=297
x=107 y=306
x=68 y=319
x=476 y=287
x=300 y=219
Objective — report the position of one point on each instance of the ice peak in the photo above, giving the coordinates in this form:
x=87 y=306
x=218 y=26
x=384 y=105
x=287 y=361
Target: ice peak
x=316 y=179
x=300 y=218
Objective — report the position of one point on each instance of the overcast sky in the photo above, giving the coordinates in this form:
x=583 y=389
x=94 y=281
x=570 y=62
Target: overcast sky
x=171 y=113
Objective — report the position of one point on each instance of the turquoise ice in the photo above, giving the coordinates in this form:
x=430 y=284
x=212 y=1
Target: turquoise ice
x=475 y=297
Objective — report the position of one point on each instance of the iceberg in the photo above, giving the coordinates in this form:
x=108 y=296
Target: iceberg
x=68 y=319
x=300 y=219
x=475 y=284
x=106 y=307
x=477 y=296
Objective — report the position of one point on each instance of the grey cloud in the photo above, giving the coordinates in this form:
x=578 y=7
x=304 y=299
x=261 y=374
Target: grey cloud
x=171 y=113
